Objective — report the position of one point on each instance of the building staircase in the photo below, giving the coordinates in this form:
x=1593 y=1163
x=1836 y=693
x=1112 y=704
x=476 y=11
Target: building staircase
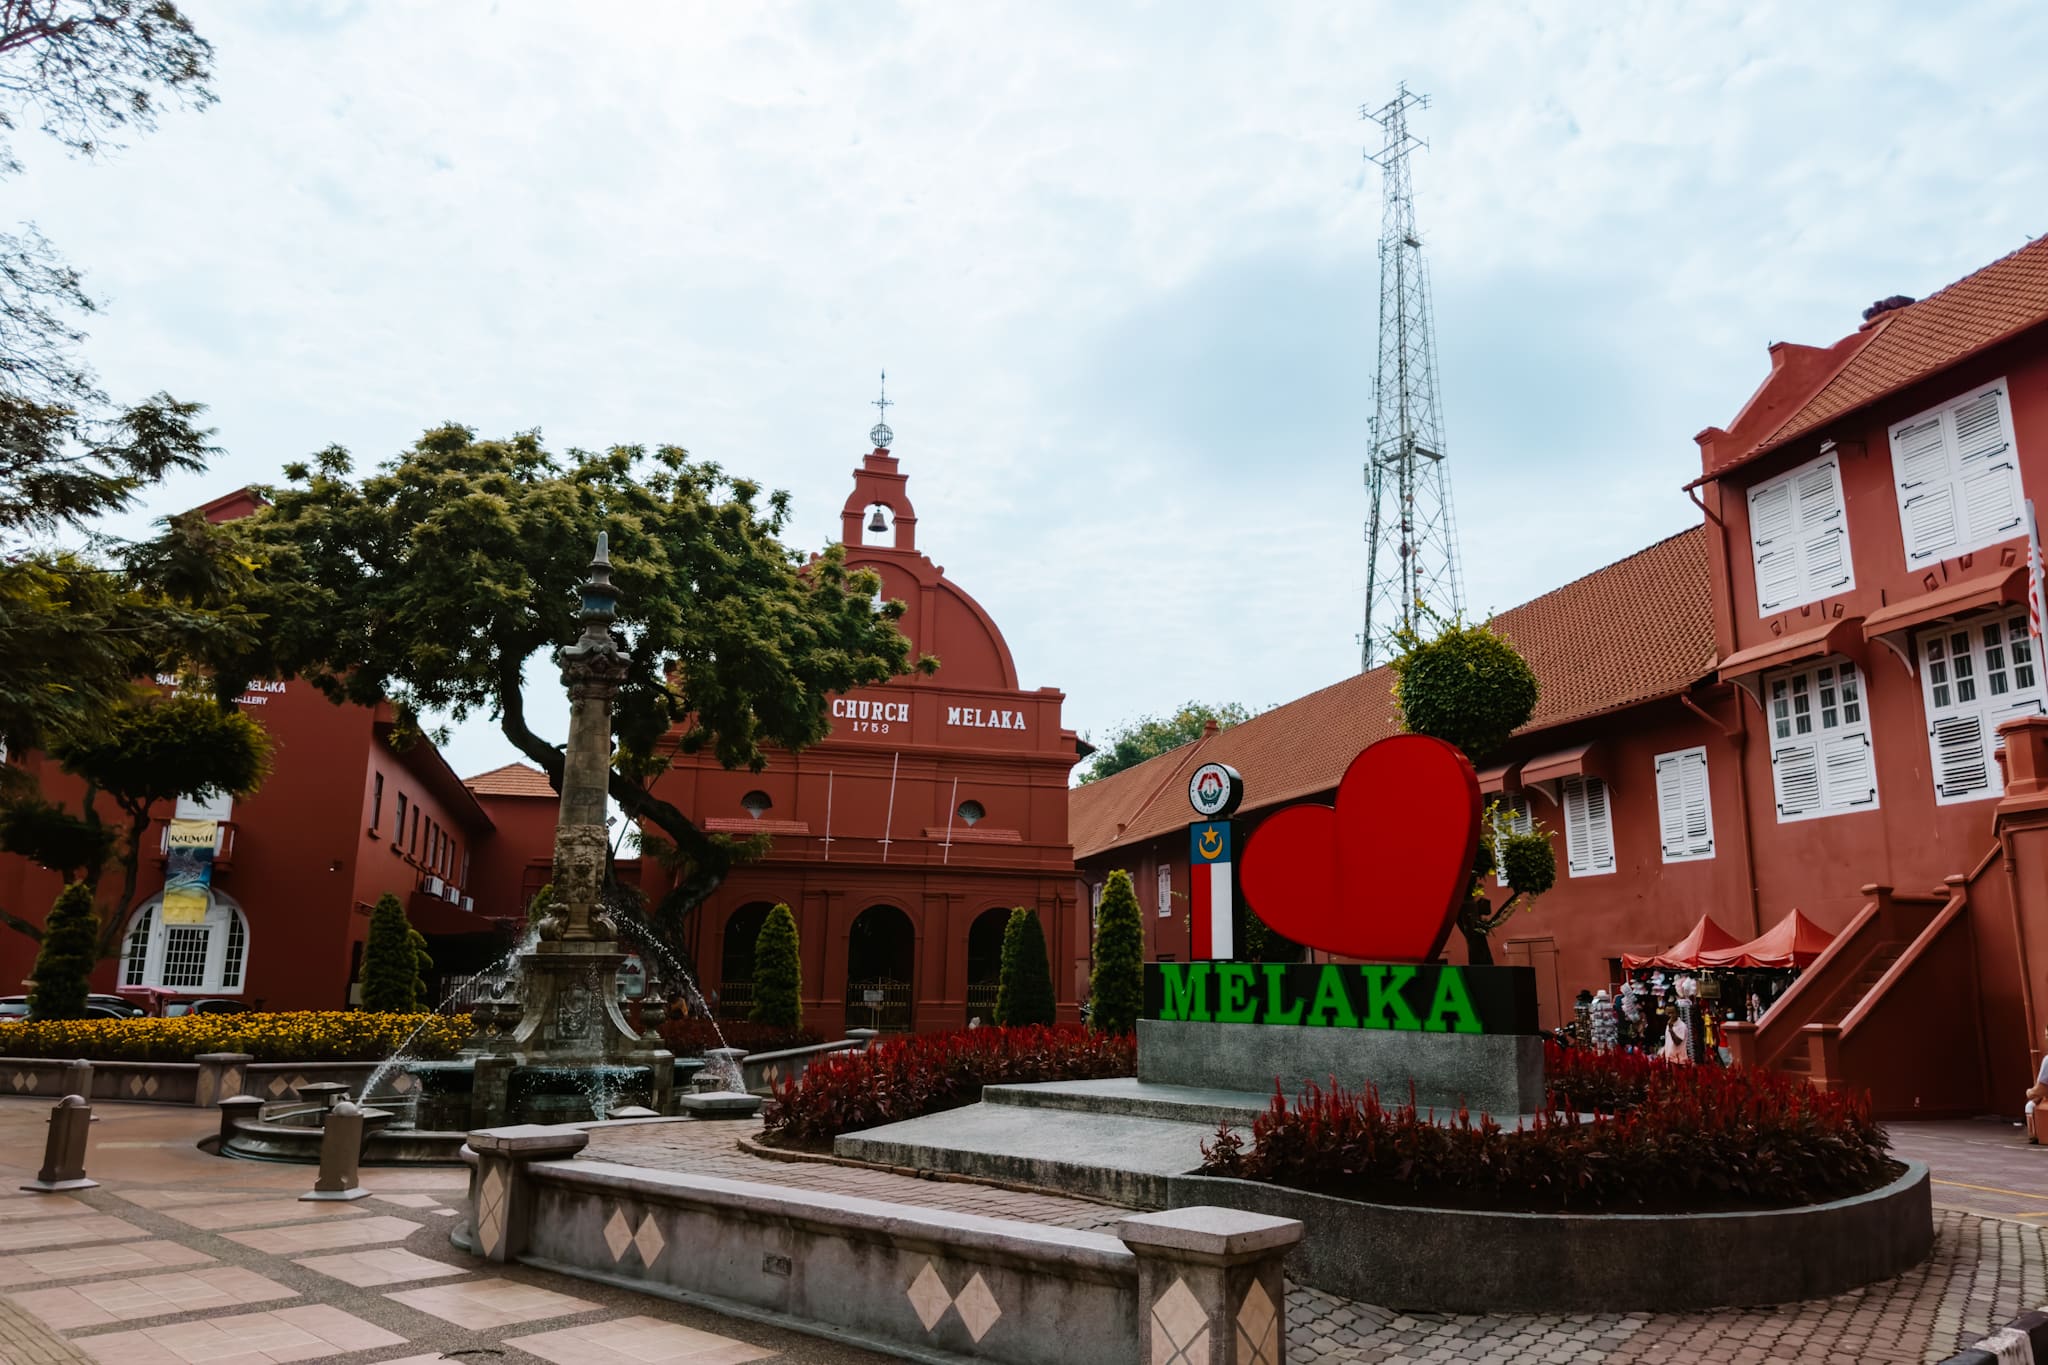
x=1890 y=1007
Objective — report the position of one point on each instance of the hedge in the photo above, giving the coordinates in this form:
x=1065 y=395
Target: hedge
x=304 y=1036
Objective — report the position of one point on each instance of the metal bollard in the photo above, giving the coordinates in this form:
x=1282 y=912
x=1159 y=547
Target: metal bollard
x=64 y=1149
x=341 y=1155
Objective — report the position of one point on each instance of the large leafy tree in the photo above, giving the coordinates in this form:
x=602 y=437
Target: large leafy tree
x=1467 y=685
x=1149 y=736
x=442 y=579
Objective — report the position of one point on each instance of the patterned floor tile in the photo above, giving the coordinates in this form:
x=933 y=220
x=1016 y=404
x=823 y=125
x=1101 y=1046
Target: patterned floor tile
x=34 y=1206
x=311 y=1332
x=72 y=1263
x=150 y=1296
x=328 y=1236
x=59 y=1232
x=260 y=1212
x=385 y=1265
x=477 y=1304
x=166 y=1199
x=639 y=1340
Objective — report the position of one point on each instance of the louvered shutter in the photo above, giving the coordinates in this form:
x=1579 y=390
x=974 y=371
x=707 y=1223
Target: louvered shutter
x=1848 y=774
x=1960 y=763
x=1795 y=772
x=1671 y=805
x=1823 y=529
x=1988 y=468
x=1775 y=545
x=1578 y=846
x=1599 y=827
x=1924 y=470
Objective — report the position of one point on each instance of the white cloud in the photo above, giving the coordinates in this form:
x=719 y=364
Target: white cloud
x=1119 y=261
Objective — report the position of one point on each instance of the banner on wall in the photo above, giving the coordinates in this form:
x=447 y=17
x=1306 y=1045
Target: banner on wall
x=188 y=870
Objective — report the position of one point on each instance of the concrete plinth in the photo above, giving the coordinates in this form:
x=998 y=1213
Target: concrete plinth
x=1497 y=1074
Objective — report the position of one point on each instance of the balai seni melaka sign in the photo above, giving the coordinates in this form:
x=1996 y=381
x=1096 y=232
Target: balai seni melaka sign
x=1379 y=876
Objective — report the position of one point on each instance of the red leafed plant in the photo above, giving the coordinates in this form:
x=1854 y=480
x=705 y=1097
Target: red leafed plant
x=1687 y=1138
x=925 y=1073
x=692 y=1037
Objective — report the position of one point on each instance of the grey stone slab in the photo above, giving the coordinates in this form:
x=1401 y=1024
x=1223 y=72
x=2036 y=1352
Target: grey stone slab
x=1138 y=1099
x=1116 y=1157
x=1209 y=1231
x=530 y=1141
x=719 y=1104
x=1497 y=1074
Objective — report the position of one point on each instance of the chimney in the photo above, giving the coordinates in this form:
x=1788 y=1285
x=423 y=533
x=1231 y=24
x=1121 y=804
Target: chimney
x=1210 y=727
x=1885 y=305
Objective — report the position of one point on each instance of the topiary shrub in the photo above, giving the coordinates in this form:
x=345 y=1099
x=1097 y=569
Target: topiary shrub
x=65 y=960
x=1024 y=993
x=778 y=973
x=1466 y=686
x=1116 y=986
x=391 y=965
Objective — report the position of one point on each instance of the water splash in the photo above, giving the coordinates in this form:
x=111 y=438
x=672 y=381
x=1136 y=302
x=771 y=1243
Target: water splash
x=401 y=1055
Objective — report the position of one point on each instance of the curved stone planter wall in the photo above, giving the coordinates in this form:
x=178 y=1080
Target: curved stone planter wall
x=1462 y=1261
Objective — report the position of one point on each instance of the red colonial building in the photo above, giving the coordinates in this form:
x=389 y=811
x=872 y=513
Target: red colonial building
x=903 y=840
x=1794 y=704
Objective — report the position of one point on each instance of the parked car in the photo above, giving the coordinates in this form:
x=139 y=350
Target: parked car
x=174 y=1008
x=96 y=1007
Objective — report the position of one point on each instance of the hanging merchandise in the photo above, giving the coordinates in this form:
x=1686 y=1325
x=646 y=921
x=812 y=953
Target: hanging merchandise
x=1606 y=1034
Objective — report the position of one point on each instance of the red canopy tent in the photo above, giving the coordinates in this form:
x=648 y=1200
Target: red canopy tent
x=1794 y=941
x=1706 y=937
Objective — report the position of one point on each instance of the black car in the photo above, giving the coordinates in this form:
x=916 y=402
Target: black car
x=96 y=1007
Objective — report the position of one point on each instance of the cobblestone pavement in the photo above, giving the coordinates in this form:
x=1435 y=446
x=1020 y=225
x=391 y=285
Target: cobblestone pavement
x=179 y=1257
x=1988 y=1265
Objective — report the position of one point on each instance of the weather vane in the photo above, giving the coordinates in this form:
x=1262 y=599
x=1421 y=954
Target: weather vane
x=881 y=435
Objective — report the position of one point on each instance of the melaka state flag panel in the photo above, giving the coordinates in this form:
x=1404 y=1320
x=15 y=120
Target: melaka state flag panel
x=1209 y=867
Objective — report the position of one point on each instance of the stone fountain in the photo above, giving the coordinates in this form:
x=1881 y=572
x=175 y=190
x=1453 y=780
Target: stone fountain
x=569 y=1016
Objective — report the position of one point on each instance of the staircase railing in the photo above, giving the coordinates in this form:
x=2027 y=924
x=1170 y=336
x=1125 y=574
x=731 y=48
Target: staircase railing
x=1886 y=918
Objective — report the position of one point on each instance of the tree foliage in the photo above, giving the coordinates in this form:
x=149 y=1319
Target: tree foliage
x=1116 y=985
x=1469 y=686
x=1149 y=736
x=1024 y=990
x=391 y=961
x=49 y=836
x=778 y=972
x=64 y=962
x=436 y=580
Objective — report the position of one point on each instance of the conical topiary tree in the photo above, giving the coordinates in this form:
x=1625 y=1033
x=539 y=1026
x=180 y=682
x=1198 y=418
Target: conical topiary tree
x=1116 y=988
x=65 y=960
x=422 y=964
x=391 y=965
x=1024 y=995
x=778 y=973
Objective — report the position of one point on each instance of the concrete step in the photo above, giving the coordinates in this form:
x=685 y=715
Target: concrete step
x=1131 y=1097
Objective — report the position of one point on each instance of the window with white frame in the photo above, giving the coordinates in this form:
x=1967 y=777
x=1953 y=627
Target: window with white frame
x=210 y=957
x=1957 y=471
x=218 y=806
x=1588 y=827
x=1165 y=888
x=1685 y=812
x=1974 y=675
x=1821 y=761
x=1514 y=816
x=1799 y=536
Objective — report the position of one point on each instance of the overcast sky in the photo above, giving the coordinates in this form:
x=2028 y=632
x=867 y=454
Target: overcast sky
x=1119 y=261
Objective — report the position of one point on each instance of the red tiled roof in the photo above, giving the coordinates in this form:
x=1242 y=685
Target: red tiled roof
x=514 y=779
x=1908 y=344
x=1632 y=632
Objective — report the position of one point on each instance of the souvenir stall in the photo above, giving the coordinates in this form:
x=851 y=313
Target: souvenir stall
x=1675 y=1002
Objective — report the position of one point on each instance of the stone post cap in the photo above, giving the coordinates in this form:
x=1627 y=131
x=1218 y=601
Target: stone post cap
x=224 y=1057
x=1209 y=1233
x=731 y=1054
x=530 y=1141
x=73 y=1102
x=239 y=1102
x=343 y=1109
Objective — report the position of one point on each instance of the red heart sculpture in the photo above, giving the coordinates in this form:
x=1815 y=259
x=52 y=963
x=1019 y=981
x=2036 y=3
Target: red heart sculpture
x=1381 y=875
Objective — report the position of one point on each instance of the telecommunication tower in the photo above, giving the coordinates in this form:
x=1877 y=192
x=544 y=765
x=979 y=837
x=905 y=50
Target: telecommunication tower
x=1414 y=545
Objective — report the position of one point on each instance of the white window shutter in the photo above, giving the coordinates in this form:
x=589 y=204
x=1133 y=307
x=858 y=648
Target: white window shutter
x=1958 y=476
x=1684 y=807
x=1578 y=847
x=1961 y=764
x=1600 y=826
x=1671 y=805
x=1988 y=467
x=1848 y=772
x=1823 y=529
x=1795 y=771
x=1774 y=545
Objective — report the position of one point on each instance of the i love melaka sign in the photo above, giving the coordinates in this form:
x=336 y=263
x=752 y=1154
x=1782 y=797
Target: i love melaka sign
x=1379 y=876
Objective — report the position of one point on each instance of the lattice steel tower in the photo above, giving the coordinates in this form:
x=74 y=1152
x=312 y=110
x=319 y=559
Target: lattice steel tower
x=1414 y=543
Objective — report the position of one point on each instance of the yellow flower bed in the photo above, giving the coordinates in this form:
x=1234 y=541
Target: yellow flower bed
x=304 y=1036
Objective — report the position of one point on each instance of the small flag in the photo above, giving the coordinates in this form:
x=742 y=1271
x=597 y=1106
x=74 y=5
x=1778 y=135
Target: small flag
x=2037 y=576
x=1209 y=872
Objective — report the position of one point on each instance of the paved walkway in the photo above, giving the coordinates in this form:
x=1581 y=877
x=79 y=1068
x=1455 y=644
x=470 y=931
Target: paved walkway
x=180 y=1258
x=1991 y=1191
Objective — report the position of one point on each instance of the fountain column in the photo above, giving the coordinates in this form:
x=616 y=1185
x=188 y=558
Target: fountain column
x=592 y=670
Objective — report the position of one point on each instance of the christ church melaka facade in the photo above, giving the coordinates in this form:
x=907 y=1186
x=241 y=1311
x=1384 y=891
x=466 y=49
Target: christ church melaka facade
x=1795 y=704
x=903 y=840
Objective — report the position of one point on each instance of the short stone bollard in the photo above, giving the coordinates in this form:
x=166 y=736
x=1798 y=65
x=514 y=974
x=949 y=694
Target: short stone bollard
x=1210 y=1284
x=237 y=1109
x=864 y=1036
x=64 y=1148
x=502 y=1196
x=341 y=1155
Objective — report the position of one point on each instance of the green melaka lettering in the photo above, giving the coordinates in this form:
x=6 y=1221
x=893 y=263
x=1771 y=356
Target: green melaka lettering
x=1333 y=1002
x=1452 y=999
x=1383 y=987
x=1235 y=1003
x=1276 y=974
x=1187 y=991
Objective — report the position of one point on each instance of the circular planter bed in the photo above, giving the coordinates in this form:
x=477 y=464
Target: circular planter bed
x=1470 y=1261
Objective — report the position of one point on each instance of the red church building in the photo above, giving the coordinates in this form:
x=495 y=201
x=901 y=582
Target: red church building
x=1795 y=704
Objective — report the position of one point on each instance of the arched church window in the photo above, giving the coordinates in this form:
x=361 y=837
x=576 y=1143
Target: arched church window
x=206 y=955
